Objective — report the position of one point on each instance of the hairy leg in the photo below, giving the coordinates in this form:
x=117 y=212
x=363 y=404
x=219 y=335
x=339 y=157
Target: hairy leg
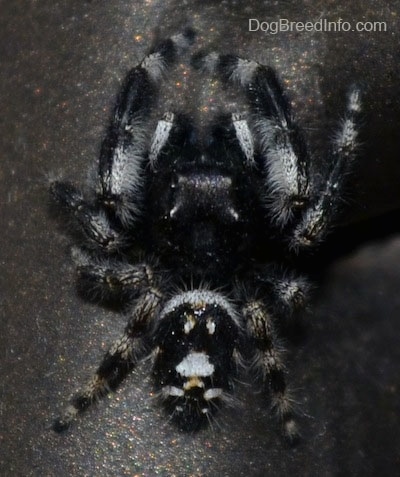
x=121 y=171
x=268 y=360
x=327 y=197
x=282 y=147
x=121 y=357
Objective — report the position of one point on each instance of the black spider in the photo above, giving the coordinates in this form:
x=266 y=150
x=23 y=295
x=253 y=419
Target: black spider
x=213 y=221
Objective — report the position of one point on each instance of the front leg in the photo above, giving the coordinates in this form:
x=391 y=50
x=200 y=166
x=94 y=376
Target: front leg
x=123 y=155
x=118 y=199
x=300 y=203
x=327 y=197
x=284 y=157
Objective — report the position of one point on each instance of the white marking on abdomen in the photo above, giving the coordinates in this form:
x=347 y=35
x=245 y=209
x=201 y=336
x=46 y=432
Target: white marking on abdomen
x=172 y=391
x=210 y=325
x=212 y=393
x=195 y=364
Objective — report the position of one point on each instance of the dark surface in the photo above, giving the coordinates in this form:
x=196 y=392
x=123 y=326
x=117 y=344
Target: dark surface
x=62 y=63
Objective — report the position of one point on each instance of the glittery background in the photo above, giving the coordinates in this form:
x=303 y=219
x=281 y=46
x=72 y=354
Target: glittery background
x=61 y=66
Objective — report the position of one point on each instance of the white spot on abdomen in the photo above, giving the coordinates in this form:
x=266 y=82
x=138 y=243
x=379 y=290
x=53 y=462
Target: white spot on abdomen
x=195 y=364
x=212 y=393
x=172 y=391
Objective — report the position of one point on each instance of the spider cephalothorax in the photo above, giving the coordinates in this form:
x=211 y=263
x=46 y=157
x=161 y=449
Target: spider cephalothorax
x=187 y=233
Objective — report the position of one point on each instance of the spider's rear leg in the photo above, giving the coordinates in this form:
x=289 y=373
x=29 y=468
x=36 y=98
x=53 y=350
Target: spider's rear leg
x=285 y=160
x=326 y=199
x=268 y=360
x=121 y=358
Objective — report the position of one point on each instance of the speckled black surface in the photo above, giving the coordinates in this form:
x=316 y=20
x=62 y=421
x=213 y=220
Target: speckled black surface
x=62 y=63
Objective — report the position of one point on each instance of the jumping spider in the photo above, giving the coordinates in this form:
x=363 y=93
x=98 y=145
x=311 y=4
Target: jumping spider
x=210 y=219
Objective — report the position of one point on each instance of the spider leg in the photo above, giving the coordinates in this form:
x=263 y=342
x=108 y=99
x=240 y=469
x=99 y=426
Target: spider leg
x=299 y=203
x=283 y=151
x=123 y=153
x=111 y=279
x=326 y=199
x=289 y=291
x=173 y=143
x=94 y=221
x=244 y=137
x=121 y=358
x=230 y=142
x=268 y=360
